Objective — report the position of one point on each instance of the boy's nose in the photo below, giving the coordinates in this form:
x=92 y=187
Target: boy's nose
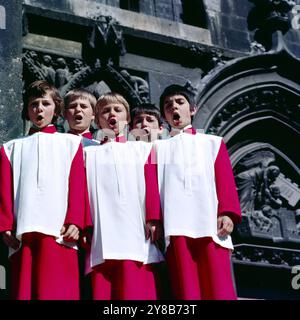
x=144 y=123
x=40 y=107
x=77 y=108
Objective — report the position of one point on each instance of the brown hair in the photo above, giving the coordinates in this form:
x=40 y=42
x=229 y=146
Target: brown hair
x=147 y=108
x=80 y=93
x=112 y=97
x=38 y=89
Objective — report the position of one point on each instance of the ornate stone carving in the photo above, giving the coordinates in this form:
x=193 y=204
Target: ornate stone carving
x=62 y=74
x=268 y=213
x=256 y=100
x=48 y=69
x=265 y=255
x=101 y=51
x=267 y=17
x=257 y=48
x=193 y=90
x=67 y=74
x=140 y=85
x=206 y=59
x=256 y=184
x=104 y=44
x=58 y=71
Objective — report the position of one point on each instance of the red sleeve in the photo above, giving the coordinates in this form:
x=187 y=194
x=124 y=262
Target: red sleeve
x=77 y=191
x=226 y=189
x=153 y=211
x=6 y=193
x=88 y=223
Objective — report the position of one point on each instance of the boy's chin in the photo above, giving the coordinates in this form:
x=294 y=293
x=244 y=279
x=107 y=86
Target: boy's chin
x=79 y=128
x=178 y=126
x=40 y=125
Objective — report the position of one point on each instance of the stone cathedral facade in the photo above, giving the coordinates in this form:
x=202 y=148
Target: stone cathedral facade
x=239 y=57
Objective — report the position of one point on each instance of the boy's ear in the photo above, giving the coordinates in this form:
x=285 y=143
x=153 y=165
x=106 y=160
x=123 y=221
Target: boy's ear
x=193 y=110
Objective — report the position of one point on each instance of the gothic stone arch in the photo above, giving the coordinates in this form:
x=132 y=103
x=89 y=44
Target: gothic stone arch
x=253 y=103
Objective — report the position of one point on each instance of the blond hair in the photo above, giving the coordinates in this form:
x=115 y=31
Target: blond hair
x=80 y=93
x=112 y=97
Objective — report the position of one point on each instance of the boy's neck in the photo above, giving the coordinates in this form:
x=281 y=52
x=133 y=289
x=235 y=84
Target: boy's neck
x=187 y=127
x=48 y=129
x=85 y=133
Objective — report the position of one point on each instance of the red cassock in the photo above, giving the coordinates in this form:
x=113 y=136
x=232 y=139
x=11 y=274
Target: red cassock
x=42 y=177
x=197 y=185
x=127 y=272
x=86 y=140
x=85 y=283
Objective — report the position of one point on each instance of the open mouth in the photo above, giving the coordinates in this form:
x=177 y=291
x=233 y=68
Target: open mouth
x=147 y=131
x=78 y=117
x=176 y=116
x=39 y=118
x=176 y=119
x=112 y=121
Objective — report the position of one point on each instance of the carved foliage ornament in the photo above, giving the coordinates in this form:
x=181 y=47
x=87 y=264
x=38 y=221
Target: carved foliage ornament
x=265 y=255
x=255 y=100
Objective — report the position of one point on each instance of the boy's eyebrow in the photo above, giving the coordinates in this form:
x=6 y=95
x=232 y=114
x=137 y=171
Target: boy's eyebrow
x=73 y=102
x=37 y=98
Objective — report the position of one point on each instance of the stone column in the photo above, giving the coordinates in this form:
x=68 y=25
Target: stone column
x=11 y=124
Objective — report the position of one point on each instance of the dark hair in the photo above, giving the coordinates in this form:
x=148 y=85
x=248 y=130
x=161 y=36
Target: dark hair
x=174 y=89
x=38 y=89
x=148 y=108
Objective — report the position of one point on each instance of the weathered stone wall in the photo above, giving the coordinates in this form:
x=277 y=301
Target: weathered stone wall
x=10 y=69
x=229 y=28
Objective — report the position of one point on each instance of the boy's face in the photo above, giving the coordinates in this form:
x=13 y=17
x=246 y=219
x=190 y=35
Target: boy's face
x=148 y=123
x=112 y=116
x=41 y=110
x=177 y=111
x=79 y=114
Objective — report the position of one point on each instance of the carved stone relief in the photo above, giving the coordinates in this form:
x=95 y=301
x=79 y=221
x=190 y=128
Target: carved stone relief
x=267 y=17
x=256 y=100
x=270 y=201
x=100 y=53
x=263 y=255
